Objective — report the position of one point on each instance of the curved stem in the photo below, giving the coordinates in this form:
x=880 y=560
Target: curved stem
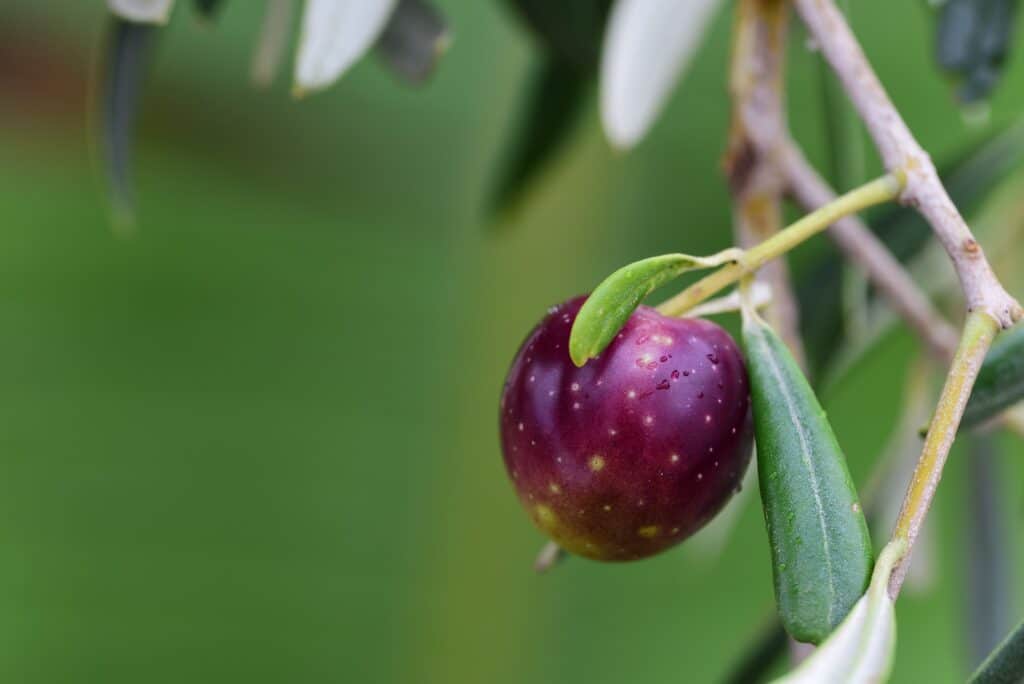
x=979 y=331
x=881 y=190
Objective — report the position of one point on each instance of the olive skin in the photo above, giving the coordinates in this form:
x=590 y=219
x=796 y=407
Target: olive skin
x=636 y=450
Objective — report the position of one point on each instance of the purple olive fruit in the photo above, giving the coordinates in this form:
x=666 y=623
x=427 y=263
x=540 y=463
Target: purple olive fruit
x=636 y=450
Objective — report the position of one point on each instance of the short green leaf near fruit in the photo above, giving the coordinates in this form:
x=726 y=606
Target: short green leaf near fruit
x=613 y=302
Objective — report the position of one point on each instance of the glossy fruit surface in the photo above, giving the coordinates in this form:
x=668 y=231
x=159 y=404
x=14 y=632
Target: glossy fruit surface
x=636 y=450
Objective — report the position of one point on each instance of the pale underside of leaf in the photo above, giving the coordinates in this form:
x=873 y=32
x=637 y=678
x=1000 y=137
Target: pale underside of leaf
x=860 y=650
x=648 y=45
x=335 y=34
x=142 y=11
x=273 y=42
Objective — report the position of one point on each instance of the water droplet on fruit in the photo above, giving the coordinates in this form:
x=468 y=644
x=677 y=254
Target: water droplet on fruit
x=664 y=385
x=686 y=373
x=713 y=358
x=675 y=375
x=663 y=359
x=641 y=340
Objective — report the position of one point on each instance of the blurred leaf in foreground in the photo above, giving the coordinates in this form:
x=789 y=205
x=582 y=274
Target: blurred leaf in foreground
x=569 y=35
x=414 y=40
x=1005 y=665
x=972 y=40
x=649 y=45
x=128 y=51
x=142 y=11
x=335 y=34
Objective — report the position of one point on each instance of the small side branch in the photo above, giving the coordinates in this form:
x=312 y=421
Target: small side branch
x=877 y=191
x=901 y=152
x=865 y=250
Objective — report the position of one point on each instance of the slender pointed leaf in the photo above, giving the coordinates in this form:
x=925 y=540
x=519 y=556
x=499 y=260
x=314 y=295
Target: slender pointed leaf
x=142 y=11
x=414 y=40
x=860 y=650
x=820 y=547
x=648 y=45
x=129 y=45
x=335 y=34
x=1005 y=665
x=611 y=304
x=1000 y=382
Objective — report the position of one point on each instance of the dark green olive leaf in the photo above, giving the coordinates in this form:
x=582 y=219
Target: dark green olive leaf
x=971 y=180
x=570 y=34
x=820 y=547
x=1000 y=382
x=414 y=40
x=570 y=30
x=553 y=105
x=611 y=304
x=972 y=39
x=1005 y=665
x=128 y=50
x=208 y=9
x=958 y=24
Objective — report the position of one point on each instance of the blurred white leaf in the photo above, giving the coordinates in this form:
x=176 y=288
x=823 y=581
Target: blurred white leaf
x=860 y=650
x=142 y=11
x=270 y=48
x=647 y=46
x=336 y=33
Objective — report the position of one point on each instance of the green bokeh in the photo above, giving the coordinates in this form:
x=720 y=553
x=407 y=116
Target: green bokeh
x=256 y=441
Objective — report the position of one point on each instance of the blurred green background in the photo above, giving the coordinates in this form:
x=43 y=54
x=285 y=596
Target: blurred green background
x=256 y=440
